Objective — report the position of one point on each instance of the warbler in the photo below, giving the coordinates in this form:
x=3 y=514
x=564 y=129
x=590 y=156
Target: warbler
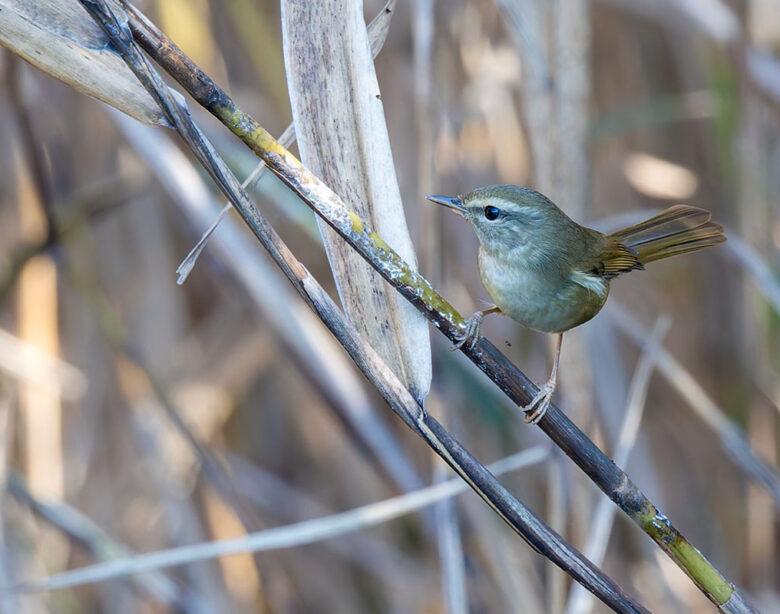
x=550 y=274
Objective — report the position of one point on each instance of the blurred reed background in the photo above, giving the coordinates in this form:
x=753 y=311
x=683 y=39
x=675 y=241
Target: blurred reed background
x=612 y=108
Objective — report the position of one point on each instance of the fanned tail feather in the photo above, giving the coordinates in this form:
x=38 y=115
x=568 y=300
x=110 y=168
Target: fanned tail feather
x=677 y=230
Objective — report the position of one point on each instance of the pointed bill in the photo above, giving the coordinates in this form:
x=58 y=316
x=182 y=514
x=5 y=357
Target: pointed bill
x=449 y=202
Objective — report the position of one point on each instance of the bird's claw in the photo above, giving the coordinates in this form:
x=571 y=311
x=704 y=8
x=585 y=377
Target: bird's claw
x=471 y=333
x=536 y=409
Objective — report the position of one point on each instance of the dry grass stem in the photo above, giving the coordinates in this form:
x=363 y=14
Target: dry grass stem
x=302 y=533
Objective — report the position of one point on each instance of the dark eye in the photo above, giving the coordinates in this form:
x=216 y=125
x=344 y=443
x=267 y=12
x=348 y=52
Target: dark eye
x=492 y=213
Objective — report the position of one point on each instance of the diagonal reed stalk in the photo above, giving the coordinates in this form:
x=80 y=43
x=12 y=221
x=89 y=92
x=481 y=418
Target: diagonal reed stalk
x=512 y=511
x=613 y=481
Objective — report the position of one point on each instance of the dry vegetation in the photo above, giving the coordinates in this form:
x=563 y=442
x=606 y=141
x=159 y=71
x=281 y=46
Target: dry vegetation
x=138 y=415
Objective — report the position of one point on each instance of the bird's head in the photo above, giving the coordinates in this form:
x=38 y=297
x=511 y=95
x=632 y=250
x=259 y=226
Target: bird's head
x=508 y=216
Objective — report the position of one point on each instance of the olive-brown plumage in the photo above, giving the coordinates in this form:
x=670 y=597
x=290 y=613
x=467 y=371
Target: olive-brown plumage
x=549 y=273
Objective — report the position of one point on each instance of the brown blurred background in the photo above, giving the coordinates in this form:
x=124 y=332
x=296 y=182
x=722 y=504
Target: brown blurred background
x=612 y=108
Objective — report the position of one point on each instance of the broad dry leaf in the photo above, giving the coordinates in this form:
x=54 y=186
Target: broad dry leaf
x=342 y=137
x=62 y=40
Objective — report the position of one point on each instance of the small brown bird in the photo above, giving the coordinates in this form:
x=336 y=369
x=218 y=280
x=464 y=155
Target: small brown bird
x=548 y=273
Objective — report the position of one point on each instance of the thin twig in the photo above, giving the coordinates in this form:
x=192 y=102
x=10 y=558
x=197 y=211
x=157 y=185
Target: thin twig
x=27 y=362
x=101 y=546
x=35 y=157
x=106 y=197
x=185 y=268
x=213 y=468
x=450 y=552
x=289 y=536
x=731 y=437
x=268 y=490
x=8 y=603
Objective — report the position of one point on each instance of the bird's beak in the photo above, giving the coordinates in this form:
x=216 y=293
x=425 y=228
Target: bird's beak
x=451 y=203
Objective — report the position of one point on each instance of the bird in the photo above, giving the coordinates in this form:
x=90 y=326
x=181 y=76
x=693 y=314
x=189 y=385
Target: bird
x=549 y=273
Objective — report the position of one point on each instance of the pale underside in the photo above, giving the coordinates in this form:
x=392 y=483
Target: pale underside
x=541 y=298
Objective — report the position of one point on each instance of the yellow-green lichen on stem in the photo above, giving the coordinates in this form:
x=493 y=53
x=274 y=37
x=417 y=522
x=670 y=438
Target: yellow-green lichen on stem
x=695 y=565
x=290 y=170
x=400 y=274
x=357 y=223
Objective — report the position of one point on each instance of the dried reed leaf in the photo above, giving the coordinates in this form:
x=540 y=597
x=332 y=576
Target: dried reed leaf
x=60 y=39
x=342 y=136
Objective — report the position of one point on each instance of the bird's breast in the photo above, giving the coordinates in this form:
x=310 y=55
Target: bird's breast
x=537 y=294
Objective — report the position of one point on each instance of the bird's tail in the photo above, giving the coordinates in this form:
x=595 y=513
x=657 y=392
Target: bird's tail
x=677 y=230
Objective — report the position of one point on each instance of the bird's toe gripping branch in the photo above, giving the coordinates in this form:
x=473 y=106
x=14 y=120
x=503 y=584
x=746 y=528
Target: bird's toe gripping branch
x=470 y=334
x=536 y=409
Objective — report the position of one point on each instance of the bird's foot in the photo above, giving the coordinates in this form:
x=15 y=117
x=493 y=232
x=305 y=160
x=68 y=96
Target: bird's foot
x=536 y=409
x=470 y=335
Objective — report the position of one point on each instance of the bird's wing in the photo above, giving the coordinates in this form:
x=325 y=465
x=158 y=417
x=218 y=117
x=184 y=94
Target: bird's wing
x=615 y=258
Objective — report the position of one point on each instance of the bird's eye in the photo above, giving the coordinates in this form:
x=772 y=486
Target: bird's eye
x=492 y=213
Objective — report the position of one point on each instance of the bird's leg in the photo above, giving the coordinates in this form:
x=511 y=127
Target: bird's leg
x=539 y=404
x=473 y=324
